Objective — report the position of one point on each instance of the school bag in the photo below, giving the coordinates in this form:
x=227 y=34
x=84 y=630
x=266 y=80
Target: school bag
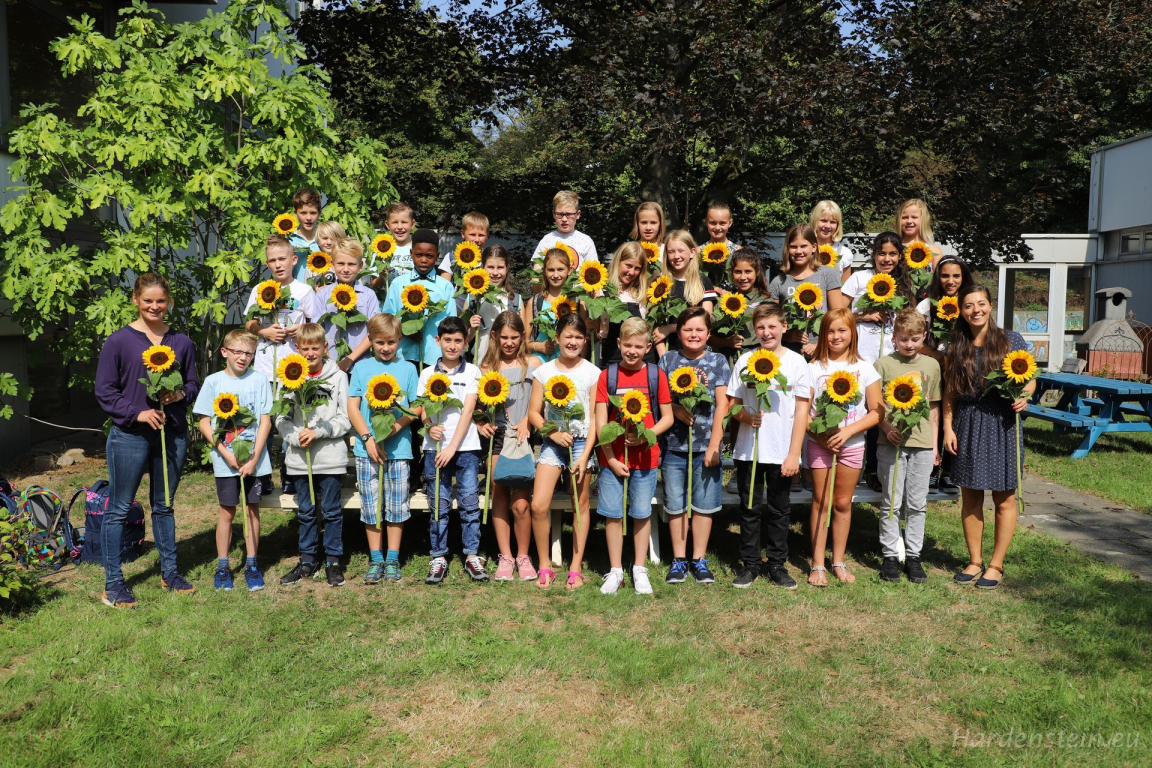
x=96 y=503
x=52 y=541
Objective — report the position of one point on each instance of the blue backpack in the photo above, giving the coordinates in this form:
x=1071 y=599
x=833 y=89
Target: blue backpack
x=95 y=505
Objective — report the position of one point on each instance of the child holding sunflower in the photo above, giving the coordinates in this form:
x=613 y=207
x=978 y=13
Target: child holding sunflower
x=284 y=304
x=827 y=221
x=914 y=222
x=648 y=229
x=549 y=306
x=628 y=274
x=305 y=238
x=799 y=268
x=682 y=268
x=413 y=293
x=347 y=305
x=875 y=326
x=327 y=233
x=400 y=221
x=566 y=213
x=748 y=280
x=474 y=230
x=498 y=264
x=718 y=221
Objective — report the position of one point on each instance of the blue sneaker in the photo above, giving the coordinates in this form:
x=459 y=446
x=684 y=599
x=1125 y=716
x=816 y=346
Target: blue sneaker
x=119 y=596
x=392 y=571
x=254 y=578
x=223 y=579
x=700 y=571
x=175 y=582
x=677 y=572
x=374 y=573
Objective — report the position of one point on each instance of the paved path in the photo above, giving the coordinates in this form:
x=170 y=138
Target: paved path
x=1101 y=528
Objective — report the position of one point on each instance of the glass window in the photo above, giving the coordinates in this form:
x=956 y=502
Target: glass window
x=1130 y=243
x=1148 y=241
x=1076 y=299
x=1027 y=297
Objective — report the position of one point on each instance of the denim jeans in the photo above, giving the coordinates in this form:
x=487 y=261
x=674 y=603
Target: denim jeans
x=130 y=456
x=465 y=467
x=328 y=498
x=641 y=492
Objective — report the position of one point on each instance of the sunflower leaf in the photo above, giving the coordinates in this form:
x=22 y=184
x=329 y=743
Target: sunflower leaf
x=609 y=432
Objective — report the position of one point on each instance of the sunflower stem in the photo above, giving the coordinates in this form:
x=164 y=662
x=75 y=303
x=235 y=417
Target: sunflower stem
x=892 y=498
x=1019 y=471
x=690 y=471
x=243 y=506
x=575 y=496
x=755 y=456
x=434 y=457
x=164 y=457
x=488 y=473
x=308 y=458
x=831 y=489
x=624 y=517
x=380 y=498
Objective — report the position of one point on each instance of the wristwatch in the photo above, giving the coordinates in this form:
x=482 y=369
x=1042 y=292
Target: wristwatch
x=364 y=438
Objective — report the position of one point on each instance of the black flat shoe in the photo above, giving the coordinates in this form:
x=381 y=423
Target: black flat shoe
x=986 y=583
x=968 y=578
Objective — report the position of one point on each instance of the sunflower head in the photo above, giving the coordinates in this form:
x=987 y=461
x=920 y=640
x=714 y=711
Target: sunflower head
x=562 y=305
x=226 y=405
x=881 y=288
x=683 y=380
x=763 y=364
x=841 y=387
x=319 y=262
x=734 y=304
x=414 y=297
x=917 y=255
x=559 y=390
x=659 y=289
x=903 y=393
x=1019 y=366
x=467 y=255
x=826 y=256
x=651 y=251
x=573 y=259
x=267 y=294
x=948 y=308
x=158 y=358
x=384 y=245
x=493 y=388
x=714 y=253
x=593 y=276
x=634 y=406
x=808 y=296
x=438 y=388
x=344 y=297
x=285 y=224
x=292 y=371
x=383 y=389
x=476 y=281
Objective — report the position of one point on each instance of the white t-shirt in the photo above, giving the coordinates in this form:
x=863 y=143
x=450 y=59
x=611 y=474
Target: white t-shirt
x=464 y=379
x=845 y=254
x=585 y=377
x=865 y=374
x=775 y=433
x=576 y=239
x=301 y=309
x=868 y=333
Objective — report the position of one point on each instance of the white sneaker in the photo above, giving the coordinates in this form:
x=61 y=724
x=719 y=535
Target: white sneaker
x=640 y=580
x=612 y=581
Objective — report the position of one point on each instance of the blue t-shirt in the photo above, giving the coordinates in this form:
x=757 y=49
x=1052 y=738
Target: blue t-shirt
x=713 y=371
x=399 y=446
x=254 y=392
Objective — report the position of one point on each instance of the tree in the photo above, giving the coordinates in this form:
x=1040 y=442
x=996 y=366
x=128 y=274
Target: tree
x=195 y=136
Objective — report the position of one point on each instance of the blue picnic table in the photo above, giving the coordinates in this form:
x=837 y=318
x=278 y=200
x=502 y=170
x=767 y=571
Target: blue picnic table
x=1116 y=407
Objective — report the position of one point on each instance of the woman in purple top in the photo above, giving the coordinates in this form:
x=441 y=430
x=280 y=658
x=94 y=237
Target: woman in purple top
x=134 y=442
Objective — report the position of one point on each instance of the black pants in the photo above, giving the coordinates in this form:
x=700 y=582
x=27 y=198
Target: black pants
x=767 y=522
x=871 y=440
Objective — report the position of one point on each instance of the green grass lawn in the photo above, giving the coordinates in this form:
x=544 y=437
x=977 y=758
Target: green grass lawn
x=861 y=675
x=1117 y=468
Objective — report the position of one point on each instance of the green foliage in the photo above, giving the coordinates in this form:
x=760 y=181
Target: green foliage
x=10 y=387
x=16 y=581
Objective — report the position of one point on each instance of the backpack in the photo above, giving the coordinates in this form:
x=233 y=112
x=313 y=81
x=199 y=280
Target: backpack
x=95 y=505
x=653 y=393
x=53 y=539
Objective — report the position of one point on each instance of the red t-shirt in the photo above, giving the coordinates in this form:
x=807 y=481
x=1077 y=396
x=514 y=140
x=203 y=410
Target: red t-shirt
x=639 y=457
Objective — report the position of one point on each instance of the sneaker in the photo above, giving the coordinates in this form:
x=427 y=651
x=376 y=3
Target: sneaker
x=677 y=572
x=334 y=573
x=437 y=570
x=701 y=572
x=890 y=570
x=505 y=568
x=524 y=568
x=947 y=485
x=392 y=570
x=612 y=582
x=253 y=578
x=175 y=582
x=915 y=570
x=640 y=580
x=934 y=480
x=374 y=573
x=119 y=596
x=745 y=578
x=731 y=486
x=780 y=577
x=222 y=579
x=302 y=570
x=474 y=567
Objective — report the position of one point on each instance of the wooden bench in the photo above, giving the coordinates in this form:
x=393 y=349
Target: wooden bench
x=1063 y=418
x=1131 y=409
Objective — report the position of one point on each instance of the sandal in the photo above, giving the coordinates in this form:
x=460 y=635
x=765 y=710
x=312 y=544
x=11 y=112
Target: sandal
x=968 y=578
x=986 y=583
x=575 y=580
x=817 y=569
x=848 y=577
x=873 y=482
x=546 y=577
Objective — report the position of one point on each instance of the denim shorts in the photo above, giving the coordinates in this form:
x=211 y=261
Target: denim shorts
x=706 y=485
x=557 y=456
x=641 y=492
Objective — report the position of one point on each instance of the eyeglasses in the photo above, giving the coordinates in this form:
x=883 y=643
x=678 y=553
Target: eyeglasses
x=240 y=352
x=565 y=214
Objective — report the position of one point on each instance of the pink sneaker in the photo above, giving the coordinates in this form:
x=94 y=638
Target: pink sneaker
x=524 y=565
x=504 y=568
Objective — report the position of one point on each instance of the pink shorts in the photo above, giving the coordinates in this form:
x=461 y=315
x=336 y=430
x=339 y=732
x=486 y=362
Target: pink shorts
x=820 y=457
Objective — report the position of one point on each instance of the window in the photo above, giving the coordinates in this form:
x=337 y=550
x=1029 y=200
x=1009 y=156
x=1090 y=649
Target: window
x=1130 y=243
x=1076 y=295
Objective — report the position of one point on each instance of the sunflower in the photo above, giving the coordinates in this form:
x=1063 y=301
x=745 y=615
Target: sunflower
x=158 y=358
x=881 y=288
x=763 y=364
x=559 y=390
x=414 y=298
x=562 y=305
x=659 y=289
x=593 y=276
x=226 y=405
x=267 y=294
x=292 y=371
x=285 y=224
x=827 y=256
x=383 y=389
x=343 y=297
x=948 y=308
x=493 y=388
x=476 y=281
x=683 y=380
x=573 y=259
x=842 y=387
x=651 y=250
x=438 y=387
x=319 y=262
x=917 y=255
x=634 y=406
x=903 y=393
x=734 y=304
x=384 y=245
x=1019 y=366
x=808 y=296
x=714 y=253
x=467 y=255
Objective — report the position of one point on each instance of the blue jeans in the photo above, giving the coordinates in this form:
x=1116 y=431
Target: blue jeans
x=641 y=492
x=465 y=467
x=706 y=485
x=328 y=497
x=130 y=455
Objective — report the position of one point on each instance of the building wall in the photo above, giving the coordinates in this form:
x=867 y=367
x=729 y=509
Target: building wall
x=1121 y=185
x=1133 y=275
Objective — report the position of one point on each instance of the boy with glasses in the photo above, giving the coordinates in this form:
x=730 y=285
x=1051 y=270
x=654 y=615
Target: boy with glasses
x=565 y=212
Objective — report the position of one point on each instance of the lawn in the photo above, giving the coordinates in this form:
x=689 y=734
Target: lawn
x=862 y=675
